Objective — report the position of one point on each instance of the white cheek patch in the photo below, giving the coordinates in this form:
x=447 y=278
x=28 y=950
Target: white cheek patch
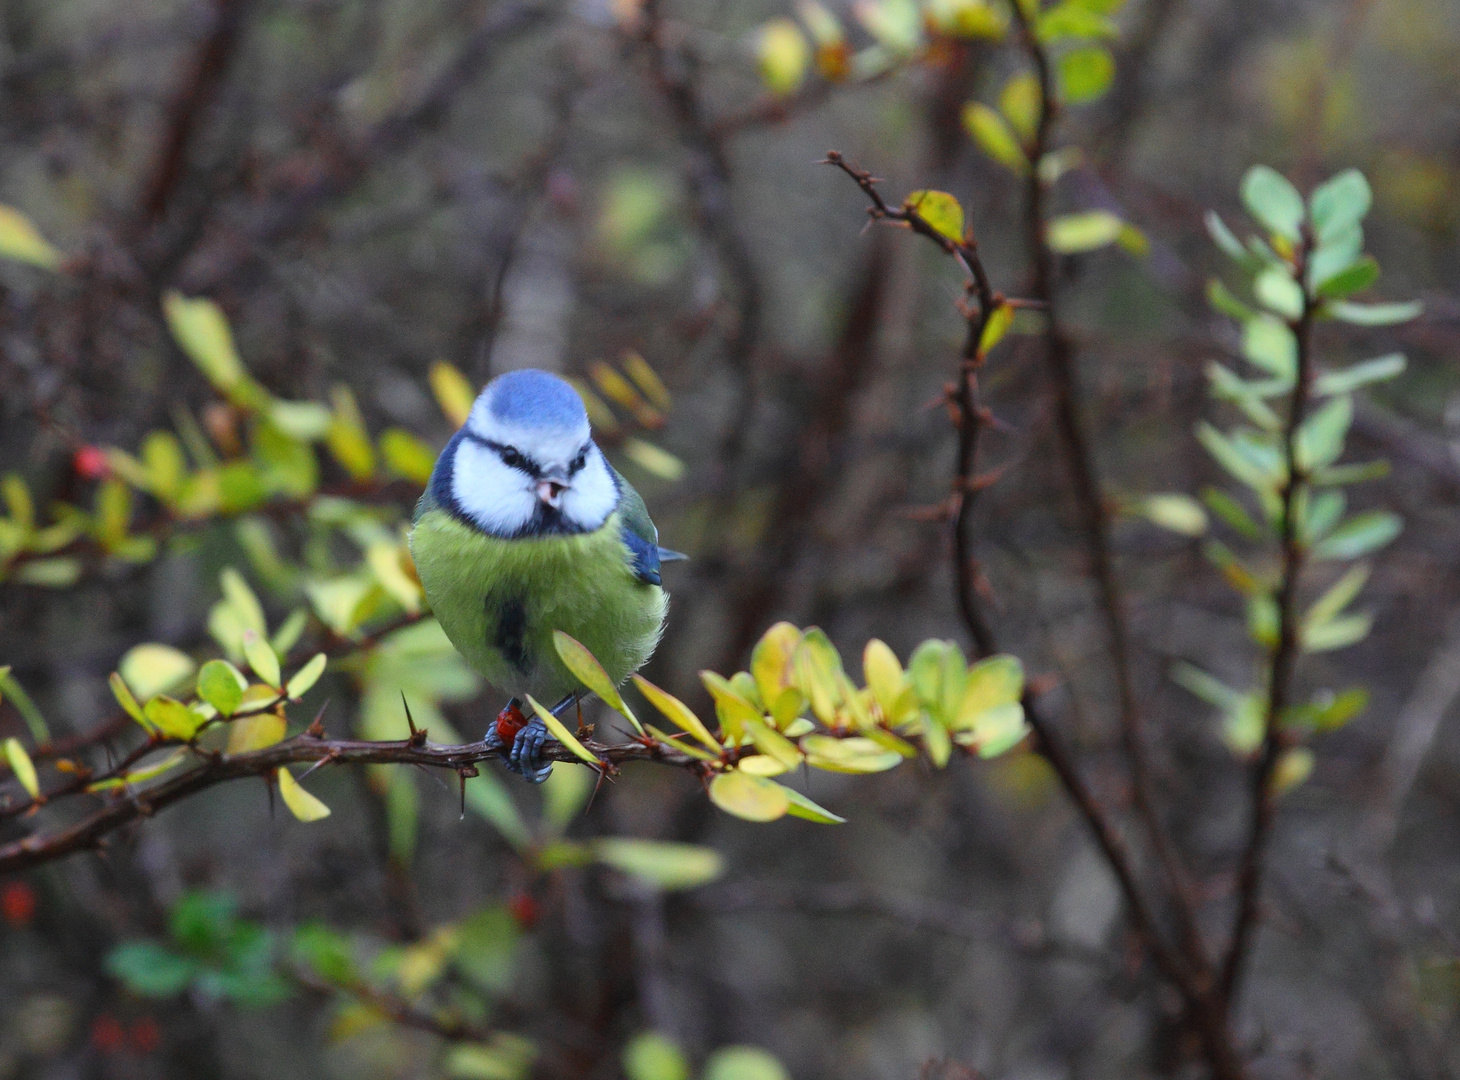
x=501 y=500
x=592 y=495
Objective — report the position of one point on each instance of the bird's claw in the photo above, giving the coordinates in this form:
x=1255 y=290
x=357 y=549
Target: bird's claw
x=525 y=757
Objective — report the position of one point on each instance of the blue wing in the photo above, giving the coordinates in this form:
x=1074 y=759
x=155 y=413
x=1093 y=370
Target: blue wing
x=645 y=556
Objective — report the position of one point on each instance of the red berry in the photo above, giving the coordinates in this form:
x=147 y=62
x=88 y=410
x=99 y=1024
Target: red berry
x=107 y=1034
x=17 y=903
x=90 y=463
x=146 y=1035
x=525 y=910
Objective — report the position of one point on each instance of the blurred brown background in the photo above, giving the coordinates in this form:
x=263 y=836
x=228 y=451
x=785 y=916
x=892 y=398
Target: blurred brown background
x=368 y=186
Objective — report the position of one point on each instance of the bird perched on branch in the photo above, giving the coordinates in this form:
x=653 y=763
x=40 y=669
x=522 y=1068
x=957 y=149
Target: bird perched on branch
x=525 y=528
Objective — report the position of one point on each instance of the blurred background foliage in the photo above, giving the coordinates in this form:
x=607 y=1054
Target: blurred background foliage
x=278 y=244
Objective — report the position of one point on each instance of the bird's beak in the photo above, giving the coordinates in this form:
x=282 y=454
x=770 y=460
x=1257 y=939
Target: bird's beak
x=550 y=488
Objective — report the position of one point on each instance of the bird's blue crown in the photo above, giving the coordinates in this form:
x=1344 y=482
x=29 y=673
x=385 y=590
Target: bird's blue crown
x=534 y=399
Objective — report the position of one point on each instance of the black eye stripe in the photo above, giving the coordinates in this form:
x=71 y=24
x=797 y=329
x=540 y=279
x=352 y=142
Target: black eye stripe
x=579 y=461
x=510 y=455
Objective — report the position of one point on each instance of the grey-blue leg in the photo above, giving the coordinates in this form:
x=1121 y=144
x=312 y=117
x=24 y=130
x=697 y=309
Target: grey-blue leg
x=526 y=755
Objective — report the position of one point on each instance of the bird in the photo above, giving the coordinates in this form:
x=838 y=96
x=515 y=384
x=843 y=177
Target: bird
x=525 y=528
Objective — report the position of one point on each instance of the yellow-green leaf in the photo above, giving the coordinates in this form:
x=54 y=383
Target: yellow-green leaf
x=992 y=134
x=306 y=677
x=818 y=666
x=453 y=392
x=802 y=807
x=407 y=456
x=733 y=708
x=852 y=755
x=1295 y=766
x=1019 y=102
x=255 y=732
x=173 y=718
x=23 y=767
x=126 y=700
x=653 y=459
x=677 y=711
x=585 y=666
x=221 y=685
x=21 y=241
x=761 y=765
x=1085 y=74
x=995 y=681
x=647 y=380
x=261 y=657
x=663 y=865
x=256 y=697
x=1086 y=231
x=562 y=734
x=940 y=210
x=782 y=55
x=773 y=744
x=346 y=436
x=1176 y=512
x=771 y=661
x=753 y=798
x=201 y=329
x=301 y=803
x=241 y=598
x=992 y=731
x=150 y=669
x=999 y=321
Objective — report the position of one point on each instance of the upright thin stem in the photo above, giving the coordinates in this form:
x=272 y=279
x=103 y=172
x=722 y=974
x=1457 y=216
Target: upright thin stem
x=1094 y=519
x=1284 y=660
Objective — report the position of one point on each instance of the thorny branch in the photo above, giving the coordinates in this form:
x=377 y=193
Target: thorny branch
x=215 y=768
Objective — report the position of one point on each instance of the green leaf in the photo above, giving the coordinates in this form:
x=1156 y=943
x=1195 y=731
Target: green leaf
x=1085 y=74
x=848 y=755
x=1338 y=596
x=1374 y=314
x=306 y=677
x=989 y=130
x=506 y=1057
x=663 y=865
x=150 y=669
x=1231 y=512
x=940 y=210
x=1277 y=291
x=1225 y=239
x=991 y=683
x=221 y=685
x=1020 y=104
x=1359 y=535
x=1071 y=19
x=744 y=1063
x=1340 y=203
x=585 y=666
x=324 y=951
x=1369 y=371
x=1273 y=201
x=246 y=606
x=819 y=674
x=1350 y=280
x=1335 y=255
x=753 y=798
x=57 y=573
x=21 y=241
x=804 y=808
x=262 y=658
x=1242 y=466
x=562 y=734
x=650 y=1056
x=23 y=767
x=1086 y=231
x=305 y=421
x=249 y=733
x=149 y=970
x=1177 y=512
x=1337 y=633
x=301 y=803
x=10 y=687
x=1319 y=439
x=1269 y=344
x=677 y=711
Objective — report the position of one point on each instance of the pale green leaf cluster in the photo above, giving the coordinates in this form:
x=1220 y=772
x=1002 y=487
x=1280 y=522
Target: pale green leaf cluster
x=1303 y=266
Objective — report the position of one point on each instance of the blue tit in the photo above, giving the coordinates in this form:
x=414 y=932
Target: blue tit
x=525 y=528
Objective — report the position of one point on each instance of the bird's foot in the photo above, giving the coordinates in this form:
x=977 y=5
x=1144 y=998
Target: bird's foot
x=527 y=736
